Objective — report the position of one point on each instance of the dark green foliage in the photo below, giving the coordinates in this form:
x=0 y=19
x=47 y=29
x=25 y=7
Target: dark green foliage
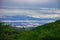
x=49 y=31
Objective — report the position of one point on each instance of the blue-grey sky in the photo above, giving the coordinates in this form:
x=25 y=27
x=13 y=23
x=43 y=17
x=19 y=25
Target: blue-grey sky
x=30 y=3
x=34 y=8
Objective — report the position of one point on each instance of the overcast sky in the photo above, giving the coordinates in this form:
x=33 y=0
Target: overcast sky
x=33 y=8
x=30 y=3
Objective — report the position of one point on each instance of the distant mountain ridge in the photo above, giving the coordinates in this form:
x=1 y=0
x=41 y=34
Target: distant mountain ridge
x=23 y=17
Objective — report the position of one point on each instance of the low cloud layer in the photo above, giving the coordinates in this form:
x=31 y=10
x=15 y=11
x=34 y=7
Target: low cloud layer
x=50 y=13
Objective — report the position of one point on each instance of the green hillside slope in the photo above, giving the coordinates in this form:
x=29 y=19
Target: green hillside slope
x=49 y=31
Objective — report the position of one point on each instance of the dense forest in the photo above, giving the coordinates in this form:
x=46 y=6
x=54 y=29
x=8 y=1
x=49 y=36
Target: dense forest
x=49 y=31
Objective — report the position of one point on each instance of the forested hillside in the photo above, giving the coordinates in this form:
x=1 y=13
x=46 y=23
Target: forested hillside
x=49 y=31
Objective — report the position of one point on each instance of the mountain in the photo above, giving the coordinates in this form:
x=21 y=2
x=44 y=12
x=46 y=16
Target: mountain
x=47 y=26
x=49 y=31
x=23 y=17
